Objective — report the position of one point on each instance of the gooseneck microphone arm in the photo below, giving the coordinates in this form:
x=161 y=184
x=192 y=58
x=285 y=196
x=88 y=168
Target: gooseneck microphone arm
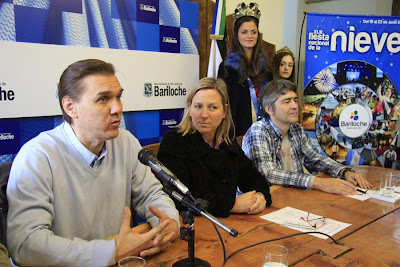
x=189 y=204
x=193 y=205
x=147 y=158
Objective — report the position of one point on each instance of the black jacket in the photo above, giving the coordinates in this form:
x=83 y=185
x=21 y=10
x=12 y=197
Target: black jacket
x=239 y=98
x=211 y=174
x=239 y=92
x=4 y=173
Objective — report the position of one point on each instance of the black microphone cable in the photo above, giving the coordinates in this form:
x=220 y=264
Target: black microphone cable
x=276 y=239
x=222 y=241
x=263 y=242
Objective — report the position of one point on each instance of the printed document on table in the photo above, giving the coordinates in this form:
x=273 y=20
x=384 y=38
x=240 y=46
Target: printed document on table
x=393 y=198
x=361 y=197
x=291 y=217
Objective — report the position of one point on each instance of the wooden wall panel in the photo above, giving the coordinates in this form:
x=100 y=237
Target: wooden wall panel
x=396 y=8
x=206 y=10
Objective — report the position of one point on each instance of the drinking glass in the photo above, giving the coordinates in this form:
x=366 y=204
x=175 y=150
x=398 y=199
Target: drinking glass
x=275 y=256
x=396 y=180
x=132 y=261
x=387 y=185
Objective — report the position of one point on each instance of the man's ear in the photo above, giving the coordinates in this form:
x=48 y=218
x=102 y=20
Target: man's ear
x=69 y=106
x=269 y=111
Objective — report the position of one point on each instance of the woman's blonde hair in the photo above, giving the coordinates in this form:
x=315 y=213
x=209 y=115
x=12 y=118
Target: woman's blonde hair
x=224 y=129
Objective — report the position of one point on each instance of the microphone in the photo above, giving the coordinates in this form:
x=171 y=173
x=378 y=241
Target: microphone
x=147 y=158
x=184 y=200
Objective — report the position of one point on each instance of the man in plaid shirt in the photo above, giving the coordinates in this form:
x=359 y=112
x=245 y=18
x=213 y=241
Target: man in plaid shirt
x=282 y=151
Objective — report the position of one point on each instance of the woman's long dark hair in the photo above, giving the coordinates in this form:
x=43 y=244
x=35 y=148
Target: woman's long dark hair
x=276 y=63
x=255 y=69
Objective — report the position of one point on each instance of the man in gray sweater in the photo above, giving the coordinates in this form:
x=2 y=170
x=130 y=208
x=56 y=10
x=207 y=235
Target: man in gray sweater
x=71 y=187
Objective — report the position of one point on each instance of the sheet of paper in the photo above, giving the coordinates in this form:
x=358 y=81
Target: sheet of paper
x=291 y=217
x=378 y=195
x=361 y=197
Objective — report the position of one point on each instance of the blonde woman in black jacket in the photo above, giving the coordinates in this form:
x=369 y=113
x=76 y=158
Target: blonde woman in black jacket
x=203 y=153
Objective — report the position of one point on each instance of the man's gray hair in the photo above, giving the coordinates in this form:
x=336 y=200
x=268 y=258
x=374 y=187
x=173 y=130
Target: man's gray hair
x=272 y=91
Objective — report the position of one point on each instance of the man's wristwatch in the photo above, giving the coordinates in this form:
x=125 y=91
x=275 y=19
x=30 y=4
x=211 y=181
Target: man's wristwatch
x=346 y=170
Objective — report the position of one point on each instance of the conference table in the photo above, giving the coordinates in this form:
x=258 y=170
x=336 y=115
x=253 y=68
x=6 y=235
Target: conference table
x=372 y=239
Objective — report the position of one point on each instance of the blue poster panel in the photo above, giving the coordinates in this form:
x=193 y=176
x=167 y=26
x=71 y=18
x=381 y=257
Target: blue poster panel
x=351 y=100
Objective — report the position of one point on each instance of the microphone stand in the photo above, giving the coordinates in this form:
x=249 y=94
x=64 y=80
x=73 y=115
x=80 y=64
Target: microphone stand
x=187 y=234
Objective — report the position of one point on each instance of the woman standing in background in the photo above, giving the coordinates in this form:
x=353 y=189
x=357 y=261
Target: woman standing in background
x=245 y=68
x=283 y=65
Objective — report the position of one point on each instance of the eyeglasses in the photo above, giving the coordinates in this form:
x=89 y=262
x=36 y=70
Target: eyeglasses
x=316 y=222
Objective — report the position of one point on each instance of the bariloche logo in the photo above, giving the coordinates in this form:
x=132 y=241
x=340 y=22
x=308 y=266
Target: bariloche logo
x=354 y=115
x=164 y=89
x=168 y=89
x=170 y=40
x=148 y=89
x=355 y=120
x=6 y=136
x=169 y=122
x=148 y=8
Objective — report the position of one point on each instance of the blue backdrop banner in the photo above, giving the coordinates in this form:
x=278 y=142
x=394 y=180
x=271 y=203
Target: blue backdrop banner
x=152 y=43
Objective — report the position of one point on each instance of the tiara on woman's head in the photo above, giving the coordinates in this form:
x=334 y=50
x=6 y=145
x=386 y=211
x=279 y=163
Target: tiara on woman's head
x=243 y=10
x=285 y=50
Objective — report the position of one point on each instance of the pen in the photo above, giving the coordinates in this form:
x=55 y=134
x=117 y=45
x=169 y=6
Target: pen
x=361 y=191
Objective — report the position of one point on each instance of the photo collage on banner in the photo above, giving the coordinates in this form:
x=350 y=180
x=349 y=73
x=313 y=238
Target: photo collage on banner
x=351 y=101
x=142 y=38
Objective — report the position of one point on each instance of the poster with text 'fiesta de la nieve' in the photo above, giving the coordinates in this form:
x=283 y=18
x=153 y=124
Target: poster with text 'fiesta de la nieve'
x=352 y=78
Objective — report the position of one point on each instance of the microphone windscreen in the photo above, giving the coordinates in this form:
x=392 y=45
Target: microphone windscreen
x=144 y=156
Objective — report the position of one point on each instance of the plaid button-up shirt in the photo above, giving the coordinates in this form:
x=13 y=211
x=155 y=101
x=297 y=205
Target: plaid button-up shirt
x=262 y=144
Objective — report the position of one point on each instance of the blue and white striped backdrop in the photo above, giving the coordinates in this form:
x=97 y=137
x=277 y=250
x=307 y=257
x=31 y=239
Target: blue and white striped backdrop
x=114 y=24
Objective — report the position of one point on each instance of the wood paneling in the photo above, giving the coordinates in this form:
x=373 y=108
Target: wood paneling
x=396 y=8
x=206 y=9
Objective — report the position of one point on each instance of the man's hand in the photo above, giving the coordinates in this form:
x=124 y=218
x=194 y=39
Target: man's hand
x=165 y=237
x=357 y=179
x=335 y=185
x=129 y=243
